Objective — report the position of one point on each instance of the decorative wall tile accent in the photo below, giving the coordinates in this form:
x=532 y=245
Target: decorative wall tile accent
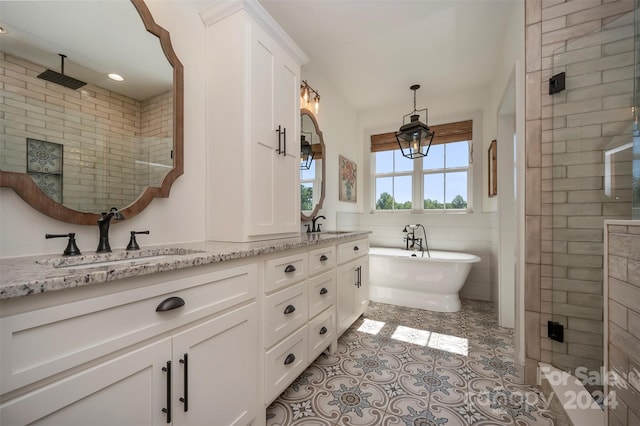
x=44 y=165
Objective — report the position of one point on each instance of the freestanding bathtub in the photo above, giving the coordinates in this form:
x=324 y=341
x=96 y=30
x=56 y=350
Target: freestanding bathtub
x=429 y=282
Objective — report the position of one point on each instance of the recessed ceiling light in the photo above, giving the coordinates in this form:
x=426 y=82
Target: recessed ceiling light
x=116 y=77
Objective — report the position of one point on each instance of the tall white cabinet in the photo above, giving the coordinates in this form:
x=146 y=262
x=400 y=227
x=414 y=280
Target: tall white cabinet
x=253 y=124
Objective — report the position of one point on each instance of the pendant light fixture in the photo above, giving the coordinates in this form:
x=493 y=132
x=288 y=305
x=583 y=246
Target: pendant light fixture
x=306 y=153
x=414 y=137
x=305 y=94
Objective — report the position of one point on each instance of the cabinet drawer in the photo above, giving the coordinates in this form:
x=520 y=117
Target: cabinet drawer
x=322 y=292
x=321 y=260
x=284 y=363
x=322 y=330
x=284 y=271
x=43 y=342
x=284 y=312
x=352 y=250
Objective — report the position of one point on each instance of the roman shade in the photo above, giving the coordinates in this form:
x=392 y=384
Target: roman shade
x=444 y=133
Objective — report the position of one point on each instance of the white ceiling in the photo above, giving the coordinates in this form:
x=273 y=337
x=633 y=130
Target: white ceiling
x=373 y=50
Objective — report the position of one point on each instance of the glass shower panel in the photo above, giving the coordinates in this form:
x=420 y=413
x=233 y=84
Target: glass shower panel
x=586 y=179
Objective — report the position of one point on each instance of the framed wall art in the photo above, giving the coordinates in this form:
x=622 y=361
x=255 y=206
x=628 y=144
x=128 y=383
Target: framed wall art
x=493 y=168
x=348 y=180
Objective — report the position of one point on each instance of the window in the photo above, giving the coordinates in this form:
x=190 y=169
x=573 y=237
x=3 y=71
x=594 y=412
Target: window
x=438 y=182
x=308 y=193
x=393 y=180
x=445 y=176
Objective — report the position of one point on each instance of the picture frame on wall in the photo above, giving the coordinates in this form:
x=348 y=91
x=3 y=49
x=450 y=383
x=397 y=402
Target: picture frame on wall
x=493 y=168
x=348 y=178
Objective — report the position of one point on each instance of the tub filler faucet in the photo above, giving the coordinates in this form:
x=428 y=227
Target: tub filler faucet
x=103 y=226
x=416 y=243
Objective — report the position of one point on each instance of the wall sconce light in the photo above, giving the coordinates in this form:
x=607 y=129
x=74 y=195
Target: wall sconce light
x=306 y=153
x=414 y=137
x=305 y=93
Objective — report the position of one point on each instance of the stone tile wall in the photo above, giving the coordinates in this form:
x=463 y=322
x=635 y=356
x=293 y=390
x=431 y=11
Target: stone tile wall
x=576 y=235
x=623 y=260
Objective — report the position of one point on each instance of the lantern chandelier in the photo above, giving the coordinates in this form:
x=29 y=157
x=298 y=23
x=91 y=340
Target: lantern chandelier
x=414 y=137
x=306 y=152
x=306 y=92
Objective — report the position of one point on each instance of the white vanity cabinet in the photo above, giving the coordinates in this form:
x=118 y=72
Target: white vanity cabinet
x=114 y=359
x=353 y=282
x=253 y=125
x=299 y=313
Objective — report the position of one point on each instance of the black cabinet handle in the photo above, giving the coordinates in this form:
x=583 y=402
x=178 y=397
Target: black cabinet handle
x=279 y=130
x=289 y=359
x=170 y=303
x=167 y=410
x=323 y=330
x=290 y=268
x=289 y=309
x=356 y=248
x=185 y=399
x=285 y=141
x=358 y=276
x=323 y=258
x=324 y=291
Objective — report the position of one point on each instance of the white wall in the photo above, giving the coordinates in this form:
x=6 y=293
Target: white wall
x=338 y=122
x=179 y=218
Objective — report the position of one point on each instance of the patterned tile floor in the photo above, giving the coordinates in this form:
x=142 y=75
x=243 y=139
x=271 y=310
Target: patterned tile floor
x=403 y=366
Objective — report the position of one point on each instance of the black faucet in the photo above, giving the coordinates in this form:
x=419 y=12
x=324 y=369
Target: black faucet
x=103 y=225
x=416 y=242
x=411 y=237
x=313 y=221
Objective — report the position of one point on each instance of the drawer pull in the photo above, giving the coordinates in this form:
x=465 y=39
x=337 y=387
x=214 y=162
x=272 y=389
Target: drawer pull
x=324 y=291
x=290 y=268
x=323 y=258
x=323 y=330
x=289 y=309
x=170 y=303
x=289 y=359
x=356 y=248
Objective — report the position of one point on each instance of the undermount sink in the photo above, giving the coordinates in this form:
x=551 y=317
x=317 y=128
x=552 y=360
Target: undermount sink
x=129 y=262
x=116 y=258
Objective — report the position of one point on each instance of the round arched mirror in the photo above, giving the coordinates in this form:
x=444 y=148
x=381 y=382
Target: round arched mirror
x=103 y=109
x=312 y=166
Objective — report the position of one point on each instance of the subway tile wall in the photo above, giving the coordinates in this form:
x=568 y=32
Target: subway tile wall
x=104 y=135
x=566 y=137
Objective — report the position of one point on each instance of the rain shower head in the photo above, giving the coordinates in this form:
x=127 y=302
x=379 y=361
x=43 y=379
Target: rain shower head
x=60 y=78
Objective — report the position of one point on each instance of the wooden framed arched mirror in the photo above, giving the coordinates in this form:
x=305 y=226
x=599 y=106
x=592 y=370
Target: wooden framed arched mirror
x=74 y=152
x=312 y=170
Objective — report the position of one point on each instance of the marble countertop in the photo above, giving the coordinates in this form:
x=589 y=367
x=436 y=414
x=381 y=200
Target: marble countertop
x=23 y=276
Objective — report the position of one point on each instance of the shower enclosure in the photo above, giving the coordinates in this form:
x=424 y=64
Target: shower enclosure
x=590 y=161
